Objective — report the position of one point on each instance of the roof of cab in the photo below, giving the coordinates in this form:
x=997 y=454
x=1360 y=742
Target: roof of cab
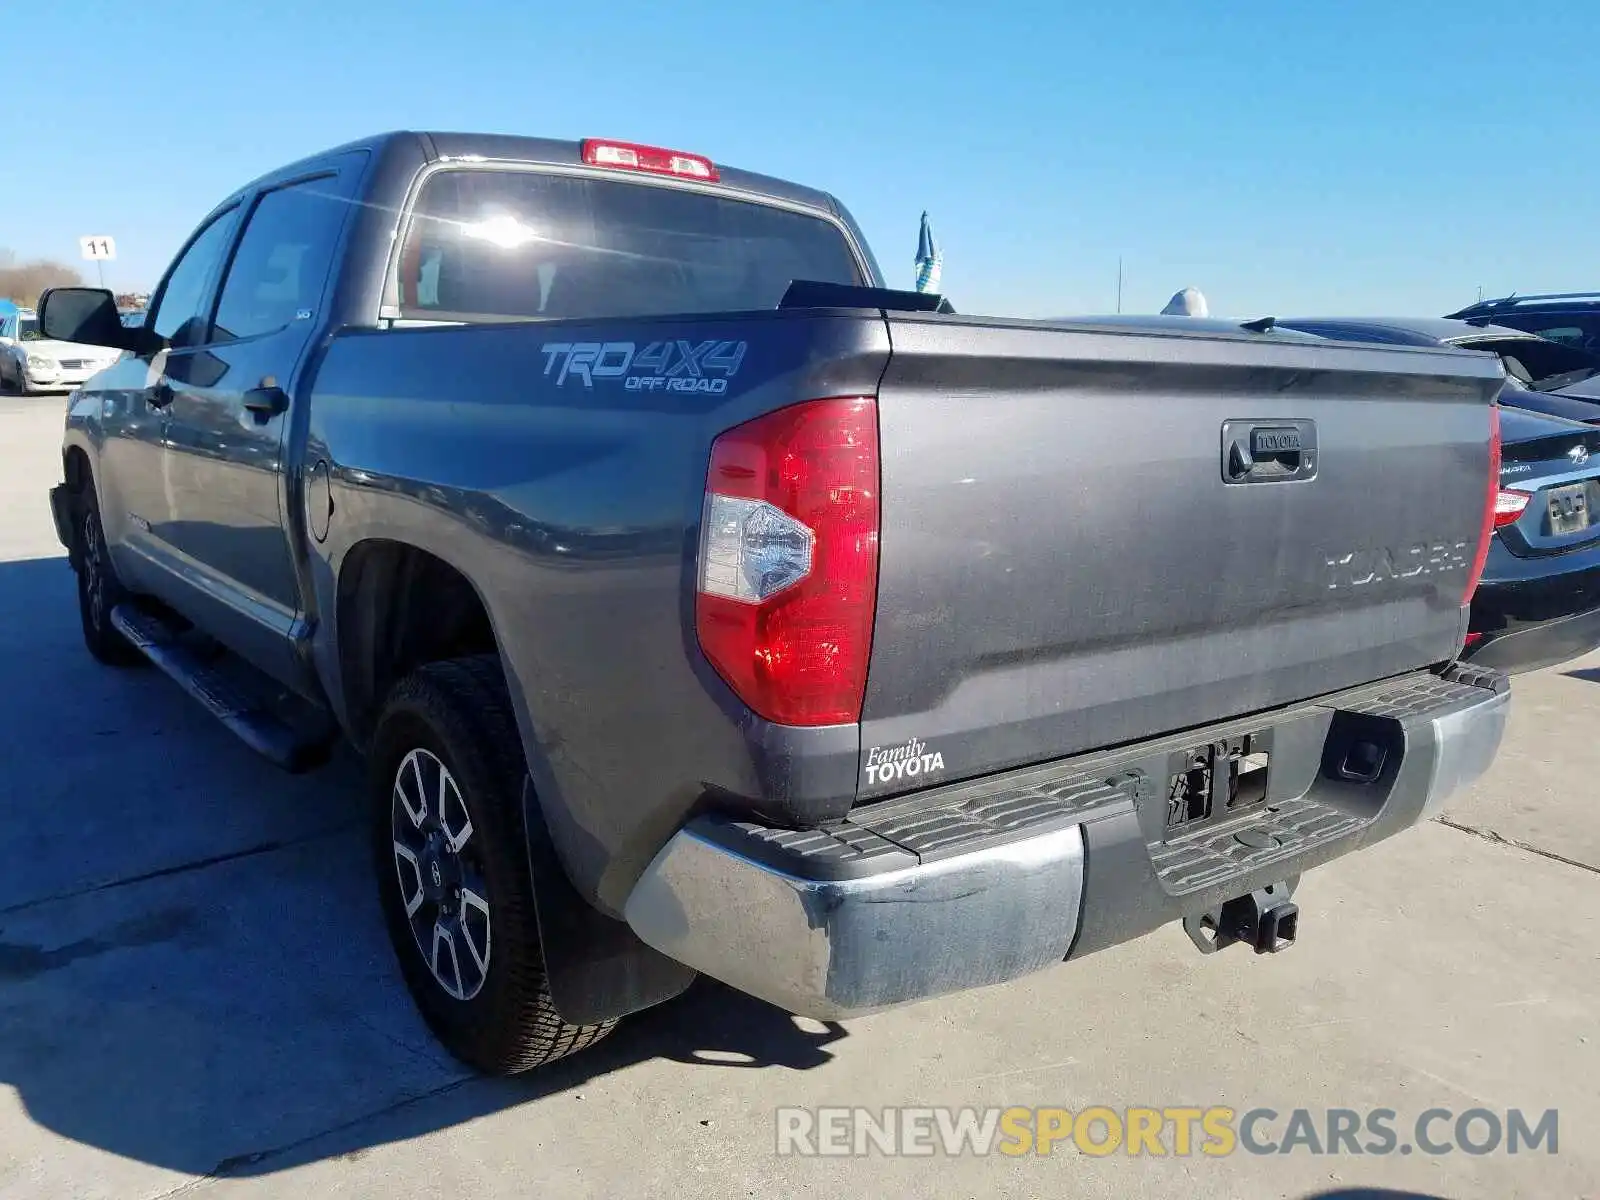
x=444 y=146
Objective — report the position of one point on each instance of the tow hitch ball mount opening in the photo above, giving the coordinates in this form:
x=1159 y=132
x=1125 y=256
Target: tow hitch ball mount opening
x=1266 y=919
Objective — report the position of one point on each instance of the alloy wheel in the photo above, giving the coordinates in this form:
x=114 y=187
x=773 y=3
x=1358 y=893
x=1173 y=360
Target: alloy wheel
x=440 y=872
x=94 y=572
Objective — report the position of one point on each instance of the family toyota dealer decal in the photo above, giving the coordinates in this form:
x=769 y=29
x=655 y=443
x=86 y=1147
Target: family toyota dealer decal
x=887 y=764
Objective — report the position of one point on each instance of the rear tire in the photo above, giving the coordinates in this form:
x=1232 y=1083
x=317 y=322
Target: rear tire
x=99 y=589
x=452 y=866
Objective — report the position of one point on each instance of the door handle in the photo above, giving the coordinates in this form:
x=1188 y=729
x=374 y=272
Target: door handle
x=266 y=402
x=159 y=394
x=1268 y=451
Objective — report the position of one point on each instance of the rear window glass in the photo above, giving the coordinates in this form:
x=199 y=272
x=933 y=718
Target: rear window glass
x=1362 y=333
x=1536 y=362
x=1581 y=330
x=1583 y=334
x=494 y=243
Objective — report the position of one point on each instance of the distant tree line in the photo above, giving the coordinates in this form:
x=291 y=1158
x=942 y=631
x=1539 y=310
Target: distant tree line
x=23 y=281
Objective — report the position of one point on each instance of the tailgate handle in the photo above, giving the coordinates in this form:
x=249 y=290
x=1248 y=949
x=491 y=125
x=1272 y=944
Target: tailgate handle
x=1268 y=451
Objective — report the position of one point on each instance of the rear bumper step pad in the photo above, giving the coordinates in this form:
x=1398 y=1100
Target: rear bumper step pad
x=979 y=882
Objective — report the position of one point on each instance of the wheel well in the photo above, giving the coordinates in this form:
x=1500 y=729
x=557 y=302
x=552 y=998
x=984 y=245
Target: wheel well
x=398 y=608
x=75 y=467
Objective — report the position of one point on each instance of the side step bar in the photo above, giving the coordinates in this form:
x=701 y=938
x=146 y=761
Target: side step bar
x=248 y=711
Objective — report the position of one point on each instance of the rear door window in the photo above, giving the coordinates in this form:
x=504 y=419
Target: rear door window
x=487 y=244
x=282 y=263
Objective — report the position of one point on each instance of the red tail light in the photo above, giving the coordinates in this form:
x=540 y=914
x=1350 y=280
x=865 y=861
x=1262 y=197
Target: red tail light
x=789 y=560
x=1508 y=506
x=1491 y=500
x=630 y=156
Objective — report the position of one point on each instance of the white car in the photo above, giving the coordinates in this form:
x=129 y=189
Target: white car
x=30 y=363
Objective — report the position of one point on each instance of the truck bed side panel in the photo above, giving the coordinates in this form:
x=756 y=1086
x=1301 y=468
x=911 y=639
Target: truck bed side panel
x=575 y=510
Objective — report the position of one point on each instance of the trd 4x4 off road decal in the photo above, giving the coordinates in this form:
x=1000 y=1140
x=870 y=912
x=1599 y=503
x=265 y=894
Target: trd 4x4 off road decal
x=673 y=366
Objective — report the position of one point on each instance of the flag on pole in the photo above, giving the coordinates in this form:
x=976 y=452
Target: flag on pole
x=930 y=261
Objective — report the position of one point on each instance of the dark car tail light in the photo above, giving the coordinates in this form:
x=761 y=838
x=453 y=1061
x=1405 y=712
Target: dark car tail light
x=1509 y=505
x=788 y=571
x=1491 y=504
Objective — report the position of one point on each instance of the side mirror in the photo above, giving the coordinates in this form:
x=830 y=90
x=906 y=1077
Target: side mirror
x=86 y=315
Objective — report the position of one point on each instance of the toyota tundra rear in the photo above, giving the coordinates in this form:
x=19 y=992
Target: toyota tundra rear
x=1129 y=622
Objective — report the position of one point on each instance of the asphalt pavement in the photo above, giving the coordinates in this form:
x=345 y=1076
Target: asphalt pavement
x=196 y=996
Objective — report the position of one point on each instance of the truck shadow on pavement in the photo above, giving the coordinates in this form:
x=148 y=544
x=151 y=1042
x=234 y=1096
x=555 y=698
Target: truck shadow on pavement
x=193 y=969
x=710 y=1027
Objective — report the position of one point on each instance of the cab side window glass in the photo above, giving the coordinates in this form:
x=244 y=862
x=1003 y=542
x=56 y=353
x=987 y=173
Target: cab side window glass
x=283 y=259
x=180 y=315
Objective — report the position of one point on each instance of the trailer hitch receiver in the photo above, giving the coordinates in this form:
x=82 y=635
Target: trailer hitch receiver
x=1266 y=919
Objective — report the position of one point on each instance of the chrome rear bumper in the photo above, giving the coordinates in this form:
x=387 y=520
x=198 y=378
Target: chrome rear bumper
x=837 y=947
x=979 y=883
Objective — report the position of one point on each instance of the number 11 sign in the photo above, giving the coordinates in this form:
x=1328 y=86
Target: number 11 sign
x=98 y=249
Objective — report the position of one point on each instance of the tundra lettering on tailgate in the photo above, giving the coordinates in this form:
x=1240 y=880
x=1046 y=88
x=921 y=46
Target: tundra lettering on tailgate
x=671 y=366
x=1381 y=563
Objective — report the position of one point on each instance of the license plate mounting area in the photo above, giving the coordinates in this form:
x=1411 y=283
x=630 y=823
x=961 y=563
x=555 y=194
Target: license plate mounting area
x=1216 y=780
x=1568 y=508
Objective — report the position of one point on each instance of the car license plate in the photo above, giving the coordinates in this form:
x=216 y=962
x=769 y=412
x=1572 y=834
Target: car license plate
x=1569 y=508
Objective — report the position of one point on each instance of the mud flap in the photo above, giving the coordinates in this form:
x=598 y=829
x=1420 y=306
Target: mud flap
x=63 y=507
x=597 y=967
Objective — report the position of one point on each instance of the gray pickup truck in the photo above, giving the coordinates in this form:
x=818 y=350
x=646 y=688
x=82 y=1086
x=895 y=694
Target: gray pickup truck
x=702 y=605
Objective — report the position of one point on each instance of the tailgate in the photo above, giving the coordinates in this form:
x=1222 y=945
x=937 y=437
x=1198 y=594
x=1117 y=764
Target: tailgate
x=1095 y=535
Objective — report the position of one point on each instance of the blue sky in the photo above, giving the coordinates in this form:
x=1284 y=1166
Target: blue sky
x=1363 y=156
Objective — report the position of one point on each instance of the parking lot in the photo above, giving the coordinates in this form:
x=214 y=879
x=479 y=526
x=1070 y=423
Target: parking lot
x=197 y=997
